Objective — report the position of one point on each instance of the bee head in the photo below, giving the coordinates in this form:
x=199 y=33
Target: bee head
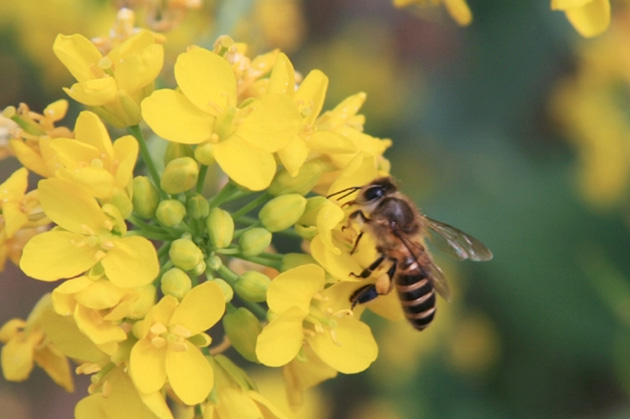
x=376 y=190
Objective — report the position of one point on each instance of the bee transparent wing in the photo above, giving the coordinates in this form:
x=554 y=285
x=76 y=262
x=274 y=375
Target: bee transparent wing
x=439 y=281
x=435 y=274
x=455 y=242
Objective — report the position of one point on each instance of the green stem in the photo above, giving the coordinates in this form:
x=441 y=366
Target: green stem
x=202 y=177
x=223 y=195
x=146 y=157
x=251 y=205
x=276 y=264
x=257 y=309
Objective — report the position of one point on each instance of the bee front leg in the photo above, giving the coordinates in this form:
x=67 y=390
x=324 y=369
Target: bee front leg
x=368 y=271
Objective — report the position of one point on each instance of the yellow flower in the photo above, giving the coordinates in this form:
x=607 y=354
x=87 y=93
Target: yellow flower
x=118 y=398
x=241 y=137
x=30 y=143
x=234 y=395
x=12 y=214
x=588 y=17
x=309 y=314
x=98 y=306
x=93 y=162
x=332 y=245
x=87 y=236
x=458 y=9
x=112 y=85
x=169 y=340
x=26 y=343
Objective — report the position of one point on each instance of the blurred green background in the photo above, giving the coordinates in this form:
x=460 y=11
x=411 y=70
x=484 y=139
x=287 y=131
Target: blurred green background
x=542 y=330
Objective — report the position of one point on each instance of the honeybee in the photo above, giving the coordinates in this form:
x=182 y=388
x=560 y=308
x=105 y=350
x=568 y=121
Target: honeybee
x=399 y=230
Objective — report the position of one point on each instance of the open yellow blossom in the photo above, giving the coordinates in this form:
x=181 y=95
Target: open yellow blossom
x=119 y=398
x=235 y=396
x=87 y=236
x=112 y=85
x=92 y=161
x=169 y=340
x=30 y=143
x=241 y=137
x=309 y=314
x=98 y=306
x=26 y=344
x=12 y=215
x=588 y=17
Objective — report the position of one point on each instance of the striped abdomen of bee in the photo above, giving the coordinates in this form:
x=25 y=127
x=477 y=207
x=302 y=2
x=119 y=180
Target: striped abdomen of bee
x=416 y=294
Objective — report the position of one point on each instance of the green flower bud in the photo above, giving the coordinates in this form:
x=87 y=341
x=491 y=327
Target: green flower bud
x=177 y=150
x=175 y=282
x=282 y=212
x=145 y=197
x=313 y=205
x=214 y=262
x=197 y=206
x=242 y=328
x=200 y=269
x=228 y=292
x=306 y=232
x=180 y=175
x=204 y=154
x=185 y=254
x=293 y=260
x=170 y=212
x=252 y=286
x=253 y=242
x=121 y=201
x=220 y=227
x=302 y=183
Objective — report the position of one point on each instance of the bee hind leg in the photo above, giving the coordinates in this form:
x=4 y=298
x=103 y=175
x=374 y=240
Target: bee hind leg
x=363 y=295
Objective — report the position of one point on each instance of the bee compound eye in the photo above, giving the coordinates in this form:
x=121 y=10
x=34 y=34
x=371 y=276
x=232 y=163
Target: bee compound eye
x=374 y=193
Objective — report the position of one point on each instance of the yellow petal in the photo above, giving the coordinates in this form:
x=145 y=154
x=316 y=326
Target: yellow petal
x=54 y=255
x=200 y=308
x=78 y=54
x=99 y=182
x=311 y=94
x=352 y=350
x=280 y=341
x=126 y=151
x=173 y=117
x=246 y=165
x=17 y=359
x=147 y=366
x=459 y=11
x=89 y=129
x=97 y=92
x=329 y=217
x=140 y=69
x=330 y=142
x=272 y=123
x=282 y=78
x=70 y=207
x=189 y=374
x=56 y=366
x=592 y=19
x=339 y=265
x=98 y=331
x=295 y=288
x=294 y=155
x=132 y=262
x=206 y=79
x=64 y=334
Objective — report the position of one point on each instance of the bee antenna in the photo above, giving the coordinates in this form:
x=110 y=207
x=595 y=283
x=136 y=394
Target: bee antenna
x=346 y=192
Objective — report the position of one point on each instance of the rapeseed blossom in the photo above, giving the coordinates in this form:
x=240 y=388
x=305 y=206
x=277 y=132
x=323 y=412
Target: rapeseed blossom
x=148 y=265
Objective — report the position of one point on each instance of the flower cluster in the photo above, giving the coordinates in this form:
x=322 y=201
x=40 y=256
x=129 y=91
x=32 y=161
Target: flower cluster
x=148 y=264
